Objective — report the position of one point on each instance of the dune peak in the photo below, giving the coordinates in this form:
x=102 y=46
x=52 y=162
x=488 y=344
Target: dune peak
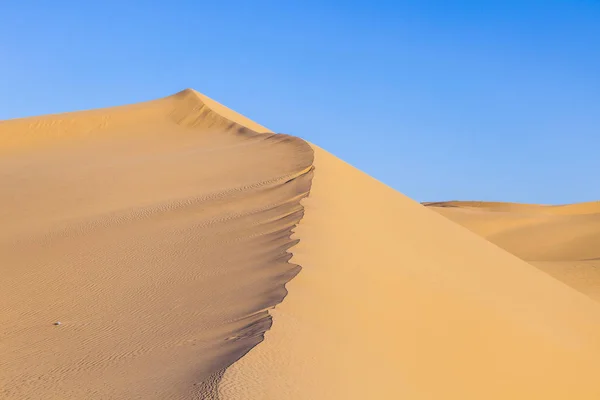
x=162 y=234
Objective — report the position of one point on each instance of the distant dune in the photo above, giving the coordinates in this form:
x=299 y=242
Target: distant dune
x=563 y=240
x=164 y=236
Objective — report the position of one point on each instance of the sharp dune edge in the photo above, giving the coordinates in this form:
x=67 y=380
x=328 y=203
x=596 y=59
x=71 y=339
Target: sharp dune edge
x=158 y=234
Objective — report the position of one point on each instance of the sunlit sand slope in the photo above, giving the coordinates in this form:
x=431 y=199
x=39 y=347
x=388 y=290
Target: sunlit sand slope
x=397 y=302
x=156 y=234
x=563 y=241
x=159 y=235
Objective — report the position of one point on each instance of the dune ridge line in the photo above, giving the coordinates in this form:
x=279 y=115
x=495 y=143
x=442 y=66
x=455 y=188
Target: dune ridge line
x=149 y=233
x=158 y=233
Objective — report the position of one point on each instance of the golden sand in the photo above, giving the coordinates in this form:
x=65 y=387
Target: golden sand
x=160 y=234
x=563 y=240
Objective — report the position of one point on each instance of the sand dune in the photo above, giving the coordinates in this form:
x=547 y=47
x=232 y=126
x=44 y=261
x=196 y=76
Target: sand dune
x=158 y=234
x=561 y=240
x=394 y=302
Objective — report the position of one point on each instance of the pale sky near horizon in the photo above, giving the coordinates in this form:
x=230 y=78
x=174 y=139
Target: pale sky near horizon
x=470 y=100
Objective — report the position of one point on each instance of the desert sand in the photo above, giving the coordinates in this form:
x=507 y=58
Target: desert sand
x=562 y=240
x=167 y=237
x=155 y=233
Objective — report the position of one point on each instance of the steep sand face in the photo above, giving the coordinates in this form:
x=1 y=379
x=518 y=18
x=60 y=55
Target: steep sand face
x=560 y=240
x=156 y=233
x=396 y=302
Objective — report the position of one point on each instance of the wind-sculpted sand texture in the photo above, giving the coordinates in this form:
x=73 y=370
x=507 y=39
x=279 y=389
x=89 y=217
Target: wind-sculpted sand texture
x=160 y=235
x=397 y=302
x=157 y=234
x=563 y=240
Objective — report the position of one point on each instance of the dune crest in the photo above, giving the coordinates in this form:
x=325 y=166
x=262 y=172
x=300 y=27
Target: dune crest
x=397 y=302
x=157 y=234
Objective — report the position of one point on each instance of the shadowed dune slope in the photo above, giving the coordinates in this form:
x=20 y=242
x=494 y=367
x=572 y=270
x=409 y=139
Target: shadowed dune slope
x=563 y=241
x=156 y=233
x=397 y=302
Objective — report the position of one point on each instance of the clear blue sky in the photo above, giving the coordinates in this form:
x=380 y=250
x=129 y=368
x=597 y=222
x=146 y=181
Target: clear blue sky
x=483 y=100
